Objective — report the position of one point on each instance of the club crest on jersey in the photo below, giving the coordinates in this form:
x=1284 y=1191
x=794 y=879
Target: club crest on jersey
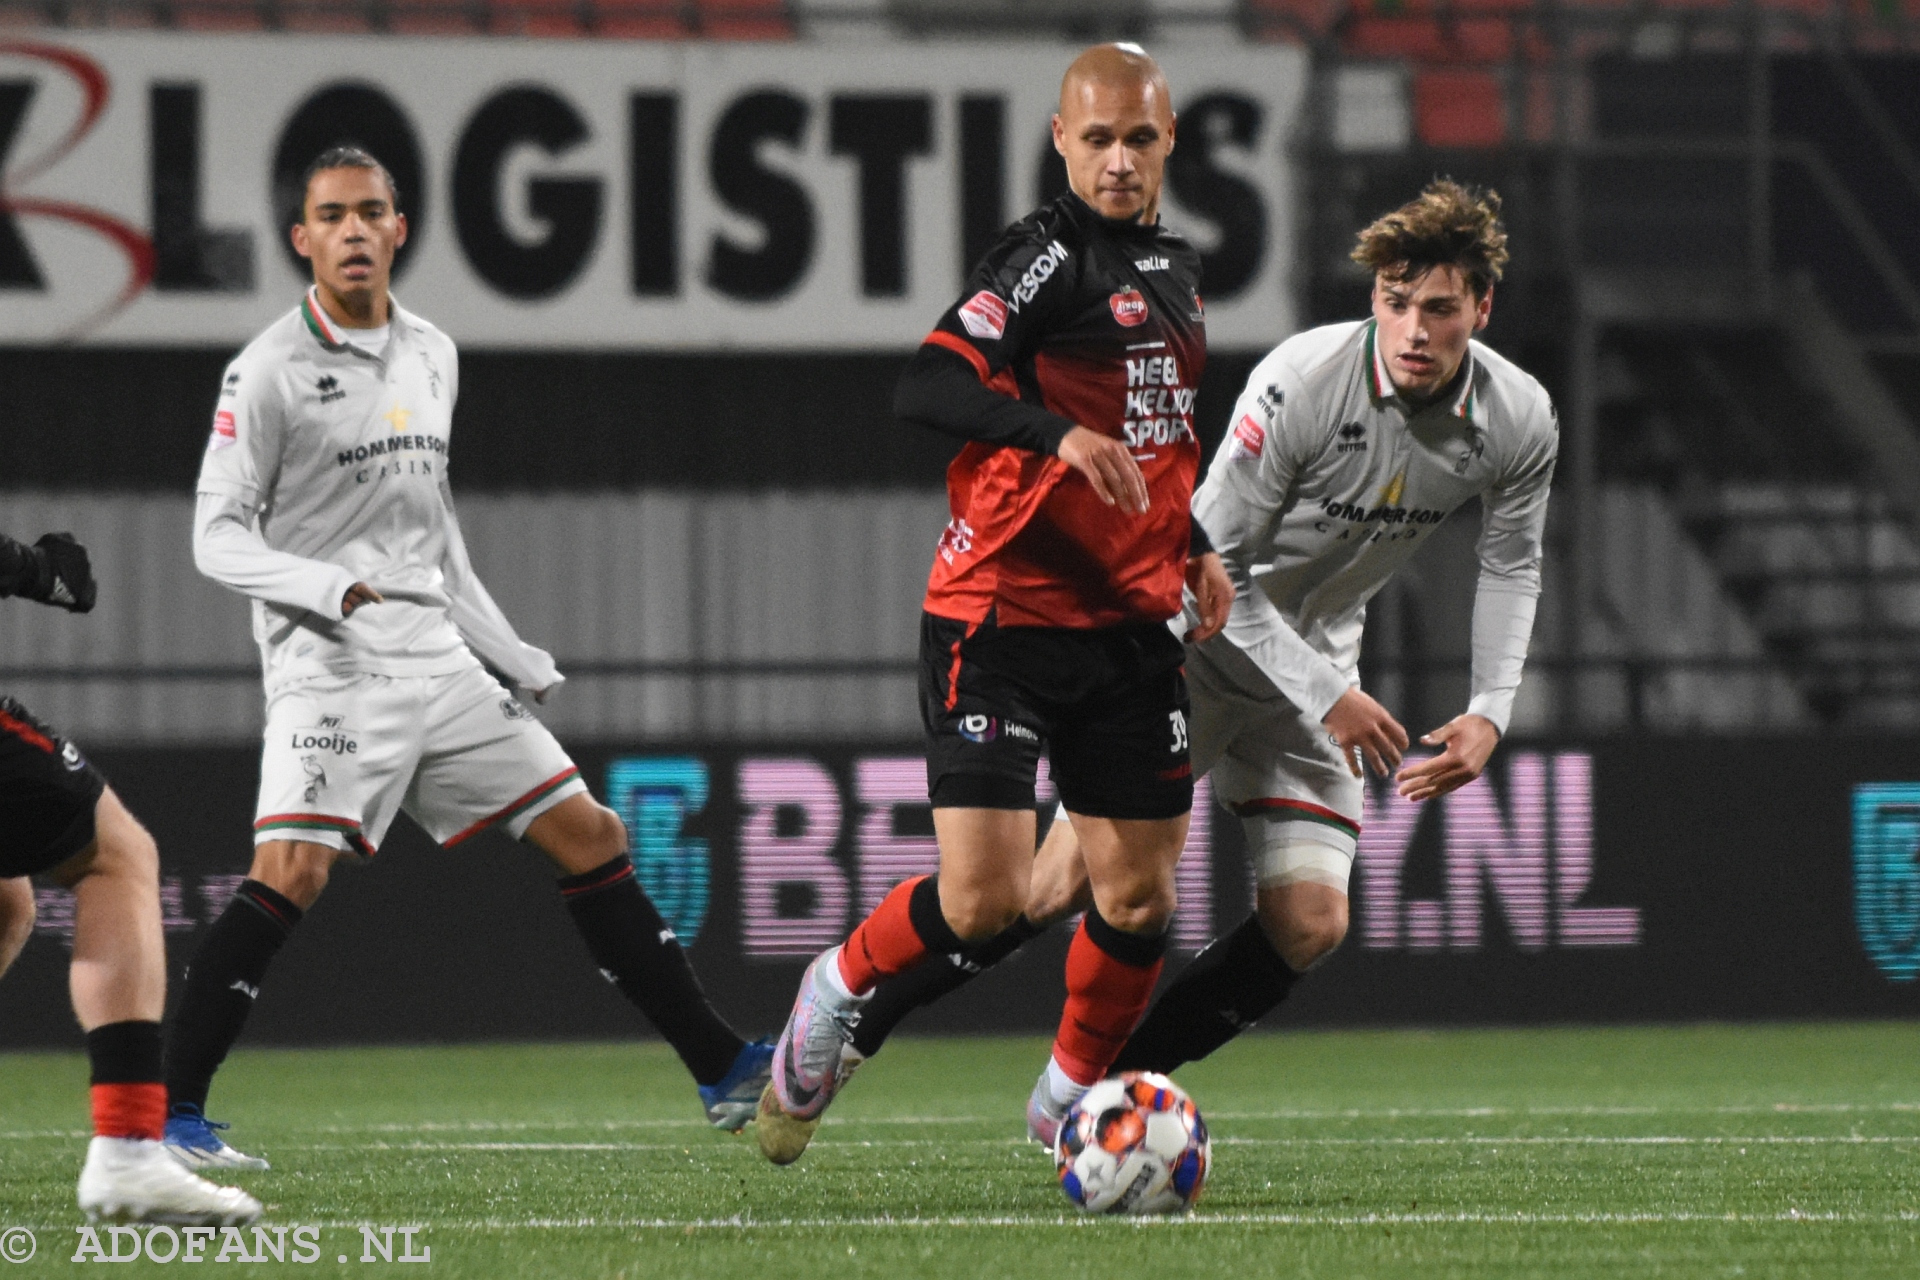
x=1249 y=438
x=984 y=316
x=1129 y=307
x=224 y=432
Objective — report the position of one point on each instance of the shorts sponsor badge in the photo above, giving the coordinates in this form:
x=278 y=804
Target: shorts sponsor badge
x=984 y=316
x=1249 y=438
x=981 y=729
x=1129 y=307
x=223 y=430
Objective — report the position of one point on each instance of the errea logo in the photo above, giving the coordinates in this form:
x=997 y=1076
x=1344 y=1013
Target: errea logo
x=330 y=389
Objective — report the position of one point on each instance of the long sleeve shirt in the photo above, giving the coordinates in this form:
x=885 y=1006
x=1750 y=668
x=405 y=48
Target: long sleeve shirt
x=327 y=466
x=1326 y=484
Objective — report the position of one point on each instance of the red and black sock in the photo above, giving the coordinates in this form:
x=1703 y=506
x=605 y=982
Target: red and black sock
x=903 y=930
x=1227 y=988
x=1110 y=977
x=129 y=1101
x=935 y=976
x=223 y=978
x=639 y=954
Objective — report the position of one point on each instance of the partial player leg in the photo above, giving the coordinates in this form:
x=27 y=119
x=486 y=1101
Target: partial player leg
x=16 y=919
x=638 y=953
x=985 y=856
x=1300 y=811
x=1057 y=889
x=1239 y=978
x=984 y=737
x=223 y=980
x=118 y=981
x=1124 y=768
x=1115 y=958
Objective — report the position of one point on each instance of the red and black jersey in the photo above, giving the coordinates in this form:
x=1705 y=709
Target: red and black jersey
x=1070 y=319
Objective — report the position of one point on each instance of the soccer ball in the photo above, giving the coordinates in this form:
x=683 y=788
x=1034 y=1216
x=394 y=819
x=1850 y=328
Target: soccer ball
x=1134 y=1144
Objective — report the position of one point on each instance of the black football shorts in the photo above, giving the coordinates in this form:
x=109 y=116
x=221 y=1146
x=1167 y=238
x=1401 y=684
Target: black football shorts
x=48 y=791
x=1107 y=705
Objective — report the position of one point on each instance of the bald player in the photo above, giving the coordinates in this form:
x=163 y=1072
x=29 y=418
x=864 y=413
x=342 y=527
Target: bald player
x=1069 y=365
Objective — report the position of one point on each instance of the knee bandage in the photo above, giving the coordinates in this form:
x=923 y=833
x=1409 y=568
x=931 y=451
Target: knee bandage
x=1288 y=851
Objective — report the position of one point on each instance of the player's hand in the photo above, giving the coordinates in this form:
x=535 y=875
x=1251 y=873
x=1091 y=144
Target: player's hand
x=1469 y=742
x=66 y=574
x=540 y=695
x=1361 y=727
x=358 y=594
x=1213 y=591
x=1108 y=466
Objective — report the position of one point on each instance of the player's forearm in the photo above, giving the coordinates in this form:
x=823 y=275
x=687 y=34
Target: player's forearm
x=939 y=389
x=486 y=630
x=1503 y=612
x=227 y=549
x=1303 y=675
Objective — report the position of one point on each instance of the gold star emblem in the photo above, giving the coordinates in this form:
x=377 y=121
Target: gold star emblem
x=1390 y=494
x=398 y=417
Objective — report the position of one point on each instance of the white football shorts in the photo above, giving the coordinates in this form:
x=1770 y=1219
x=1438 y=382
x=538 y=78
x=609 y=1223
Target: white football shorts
x=1276 y=768
x=344 y=753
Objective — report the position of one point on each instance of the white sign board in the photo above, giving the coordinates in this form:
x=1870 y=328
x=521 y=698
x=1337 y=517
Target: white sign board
x=593 y=195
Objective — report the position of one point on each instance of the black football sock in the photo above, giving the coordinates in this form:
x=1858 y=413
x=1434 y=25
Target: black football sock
x=1228 y=987
x=223 y=978
x=638 y=953
x=938 y=975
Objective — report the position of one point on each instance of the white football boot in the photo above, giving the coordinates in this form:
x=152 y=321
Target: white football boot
x=135 y=1180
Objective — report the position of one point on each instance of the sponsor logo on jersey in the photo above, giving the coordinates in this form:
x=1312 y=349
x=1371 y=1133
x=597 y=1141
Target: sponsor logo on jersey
x=392 y=444
x=337 y=741
x=1015 y=729
x=1129 y=307
x=1249 y=438
x=984 y=316
x=979 y=728
x=1385 y=514
x=330 y=389
x=231 y=386
x=1353 y=438
x=224 y=432
x=1038 y=273
x=1153 y=264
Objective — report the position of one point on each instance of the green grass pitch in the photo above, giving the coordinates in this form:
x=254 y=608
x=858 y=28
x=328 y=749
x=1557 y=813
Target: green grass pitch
x=1638 y=1152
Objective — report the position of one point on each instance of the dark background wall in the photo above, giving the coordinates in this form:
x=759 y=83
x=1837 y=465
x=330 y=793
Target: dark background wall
x=1746 y=899
x=107 y=418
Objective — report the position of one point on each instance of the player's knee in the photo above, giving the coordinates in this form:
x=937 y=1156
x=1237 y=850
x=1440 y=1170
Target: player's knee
x=979 y=916
x=602 y=835
x=1144 y=906
x=16 y=917
x=121 y=848
x=296 y=870
x=1305 y=932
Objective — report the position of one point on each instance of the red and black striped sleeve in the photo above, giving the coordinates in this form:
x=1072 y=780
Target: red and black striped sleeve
x=962 y=380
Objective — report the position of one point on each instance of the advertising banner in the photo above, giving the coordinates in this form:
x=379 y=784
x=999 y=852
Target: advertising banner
x=594 y=195
x=1609 y=881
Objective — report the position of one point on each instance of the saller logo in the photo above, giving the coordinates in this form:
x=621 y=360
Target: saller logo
x=1129 y=308
x=984 y=315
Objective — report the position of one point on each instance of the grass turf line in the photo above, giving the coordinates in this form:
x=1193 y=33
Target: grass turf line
x=1789 y=1151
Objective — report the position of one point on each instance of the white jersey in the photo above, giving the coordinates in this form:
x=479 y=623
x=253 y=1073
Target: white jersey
x=1327 y=483
x=328 y=466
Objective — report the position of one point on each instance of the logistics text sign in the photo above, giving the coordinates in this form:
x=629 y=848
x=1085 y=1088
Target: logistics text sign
x=611 y=195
